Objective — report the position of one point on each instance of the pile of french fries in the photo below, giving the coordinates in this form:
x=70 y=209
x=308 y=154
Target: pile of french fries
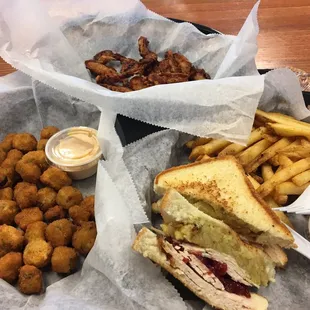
x=276 y=157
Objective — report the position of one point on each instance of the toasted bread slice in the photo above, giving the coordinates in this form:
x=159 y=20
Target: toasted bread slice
x=222 y=185
x=204 y=284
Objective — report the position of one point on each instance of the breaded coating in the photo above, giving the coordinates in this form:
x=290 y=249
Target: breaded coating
x=2 y=156
x=84 y=238
x=59 y=232
x=6 y=143
x=79 y=215
x=28 y=216
x=6 y=193
x=29 y=172
x=55 y=213
x=69 y=196
x=6 y=177
x=48 y=131
x=30 y=280
x=15 y=155
x=9 y=163
x=26 y=195
x=9 y=266
x=36 y=157
x=24 y=142
x=35 y=231
x=41 y=144
x=11 y=239
x=64 y=260
x=8 y=210
x=89 y=204
x=38 y=253
x=46 y=198
x=55 y=178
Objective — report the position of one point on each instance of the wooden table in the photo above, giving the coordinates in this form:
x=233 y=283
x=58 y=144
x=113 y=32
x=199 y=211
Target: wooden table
x=284 y=38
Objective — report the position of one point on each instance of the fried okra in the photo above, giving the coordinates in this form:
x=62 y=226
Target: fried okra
x=11 y=239
x=38 y=253
x=28 y=216
x=26 y=195
x=36 y=157
x=48 y=131
x=55 y=213
x=79 y=215
x=64 y=259
x=41 y=144
x=24 y=142
x=6 y=177
x=30 y=280
x=84 y=238
x=2 y=156
x=9 y=266
x=29 y=172
x=59 y=232
x=8 y=210
x=46 y=198
x=89 y=203
x=6 y=193
x=69 y=196
x=55 y=178
x=35 y=231
x=6 y=143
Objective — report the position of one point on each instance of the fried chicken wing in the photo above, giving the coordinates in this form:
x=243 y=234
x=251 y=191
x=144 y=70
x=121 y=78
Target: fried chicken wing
x=121 y=89
x=167 y=78
x=144 y=51
x=100 y=69
x=198 y=74
x=139 y=82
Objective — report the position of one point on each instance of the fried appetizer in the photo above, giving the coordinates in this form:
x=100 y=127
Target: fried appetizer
x=29 y=172
x=55 y=178
x=69 y=196
x=46 y=198
x=24 y=142
x=2 y=156
x=9 y=266
x=30 y=280
x=6 y=177
x=35 y=231
x=59 y=232
x=84 y=238
x=41 y=144
x=26 y=195
x=89 y=203
x=11 y=239
x=79 y=215
x=8 y=210
x=36 y=157
x=12 y=158
x=6 y=193
x=6 y=143
x=54 y=213
x=64 y=260
x=48 y=131
x=38 y=253
x=28 y=216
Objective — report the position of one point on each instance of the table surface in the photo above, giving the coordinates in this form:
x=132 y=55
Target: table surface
x=284 y=38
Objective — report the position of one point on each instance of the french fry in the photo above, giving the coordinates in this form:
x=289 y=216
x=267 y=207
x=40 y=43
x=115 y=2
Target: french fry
x=271 y=138
x=257 y=178
x=199 y=158
x=289 y=188
x=234 y=148
x=254 y=183
x=274 y=161
x=305 y=142
x=284 y=161
x=267 y=172
x=296 y=152
x=280 y=199
x=285 y=174
x=284 y=130
x=253 y=151
x=302 y=178
x=267 y=154
x=196 y=142
x=208 y=149
x=204 y=157
x=291 y=146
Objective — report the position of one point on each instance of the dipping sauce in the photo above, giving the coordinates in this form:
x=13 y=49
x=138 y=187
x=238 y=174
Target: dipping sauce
x=75 y=150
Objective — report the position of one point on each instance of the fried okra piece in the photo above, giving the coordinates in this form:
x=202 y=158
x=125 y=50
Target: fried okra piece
x=30 y=280
x=89 y=204
x=28 y=216
x=11 y=239
x=41 y=144
x=12 y=158
x=64 y=260
x=69 y=196
x=29 y=172
x=6 y=177
x=48 y=131
x=38 y=253
x=36 y=157
x=35 y=231
x=8 y=210
x=79 y=215
x=55 y=178
x=84 y=238
x=6 y=193
x=6 y=143
x=24 y=142
x=2 y=156
x=46 y=198
x=54 y=213
x=9 y=266
x=26 y=195
x=59 y=232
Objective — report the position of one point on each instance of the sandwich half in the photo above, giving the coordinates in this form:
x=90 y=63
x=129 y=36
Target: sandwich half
x=184 y=222
x=209 y=279
x=220 y=188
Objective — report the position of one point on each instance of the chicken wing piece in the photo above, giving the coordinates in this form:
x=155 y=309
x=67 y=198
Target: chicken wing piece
x=139 y=82
x=121 y=89
x=167 y=78
x=198 y=74
x=144 y=51
x=100 y=69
